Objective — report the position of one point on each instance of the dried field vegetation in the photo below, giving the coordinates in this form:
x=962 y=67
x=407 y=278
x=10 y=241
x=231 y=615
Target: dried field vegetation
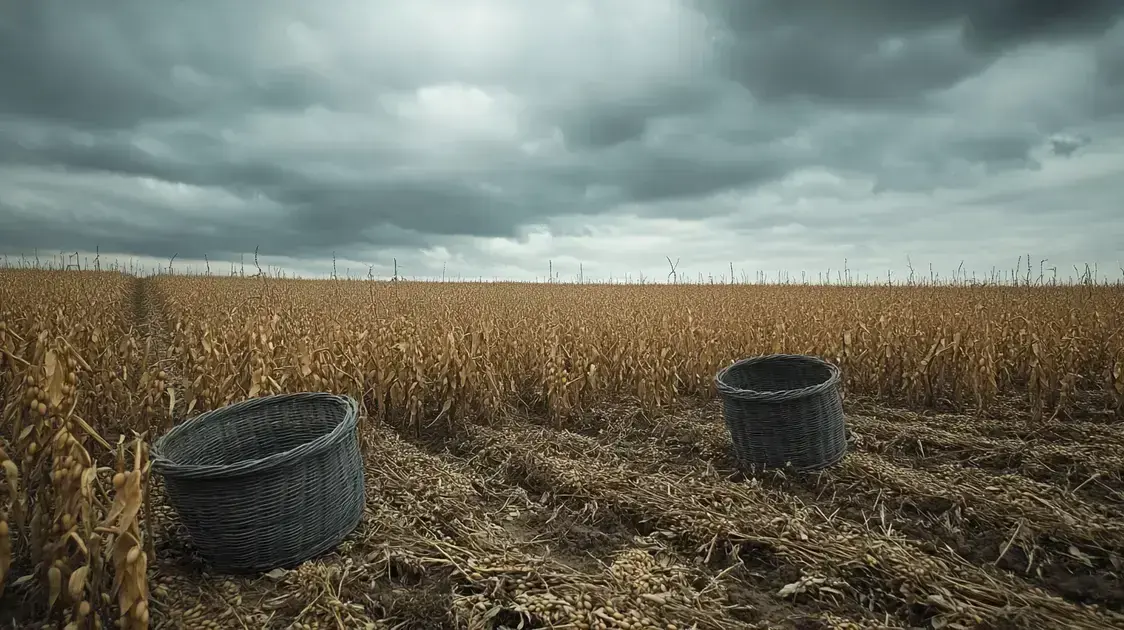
x=553 y=455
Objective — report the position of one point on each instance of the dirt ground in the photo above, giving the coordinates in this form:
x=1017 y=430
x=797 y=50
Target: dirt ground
x=616 y=520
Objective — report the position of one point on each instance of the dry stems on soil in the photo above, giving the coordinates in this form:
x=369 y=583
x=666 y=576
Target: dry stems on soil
x=91 y=364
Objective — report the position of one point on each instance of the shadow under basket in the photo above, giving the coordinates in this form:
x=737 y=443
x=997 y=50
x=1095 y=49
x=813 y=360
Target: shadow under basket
x=783 y=410
x=265 y=483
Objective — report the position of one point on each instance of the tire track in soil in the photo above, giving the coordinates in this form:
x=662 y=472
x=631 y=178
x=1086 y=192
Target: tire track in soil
x=149 y=319
x=609 y=453
x=1051 y=539
x=139 y=301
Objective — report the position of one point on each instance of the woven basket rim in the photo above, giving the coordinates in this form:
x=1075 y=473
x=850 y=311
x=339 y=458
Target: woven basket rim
x=781 y=395
x=168 y=468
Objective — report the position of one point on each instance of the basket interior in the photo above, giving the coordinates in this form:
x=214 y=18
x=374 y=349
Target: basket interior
x=777 y=375
x=229 y=437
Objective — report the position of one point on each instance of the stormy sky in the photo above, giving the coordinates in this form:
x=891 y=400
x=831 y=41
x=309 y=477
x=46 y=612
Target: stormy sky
x=497 y=137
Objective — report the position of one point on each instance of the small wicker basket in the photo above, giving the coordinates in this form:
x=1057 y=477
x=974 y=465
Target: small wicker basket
x=265 y=483
x=783 y=410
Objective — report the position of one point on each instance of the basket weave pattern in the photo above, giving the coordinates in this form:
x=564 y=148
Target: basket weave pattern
x=783 y=410
x=267 y=482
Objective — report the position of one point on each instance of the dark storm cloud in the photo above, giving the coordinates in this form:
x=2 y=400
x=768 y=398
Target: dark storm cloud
x=199 y=160
x=678 y=177
x=606 y=126
x=170 y=234
x=887 y=52
x=994 y=26
x=159 y=127
x=59 y=66
x=603 y=118
x=1110 y=72
x=116 y=63
x=437 y=206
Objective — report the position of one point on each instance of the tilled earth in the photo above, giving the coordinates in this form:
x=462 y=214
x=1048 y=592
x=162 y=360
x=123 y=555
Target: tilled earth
x=616 y=520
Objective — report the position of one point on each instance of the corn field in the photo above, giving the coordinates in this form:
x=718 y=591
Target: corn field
x=553 y=455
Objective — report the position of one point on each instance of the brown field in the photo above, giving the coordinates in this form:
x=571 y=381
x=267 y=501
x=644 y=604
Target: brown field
x=554 y=455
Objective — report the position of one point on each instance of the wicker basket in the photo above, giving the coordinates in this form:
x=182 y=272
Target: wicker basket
x=783 y=410
x=265 y=483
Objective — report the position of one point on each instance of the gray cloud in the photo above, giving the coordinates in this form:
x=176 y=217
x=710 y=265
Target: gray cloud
x=430 y=130
x=1065 y=145
x=886 y=52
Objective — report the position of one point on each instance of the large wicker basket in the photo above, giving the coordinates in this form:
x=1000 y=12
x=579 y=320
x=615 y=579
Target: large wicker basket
x=265 y=483
x=783 y=410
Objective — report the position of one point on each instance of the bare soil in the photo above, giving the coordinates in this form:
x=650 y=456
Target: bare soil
x=930 y=521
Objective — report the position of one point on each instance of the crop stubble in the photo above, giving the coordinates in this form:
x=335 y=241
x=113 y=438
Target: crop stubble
x=553 y=452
